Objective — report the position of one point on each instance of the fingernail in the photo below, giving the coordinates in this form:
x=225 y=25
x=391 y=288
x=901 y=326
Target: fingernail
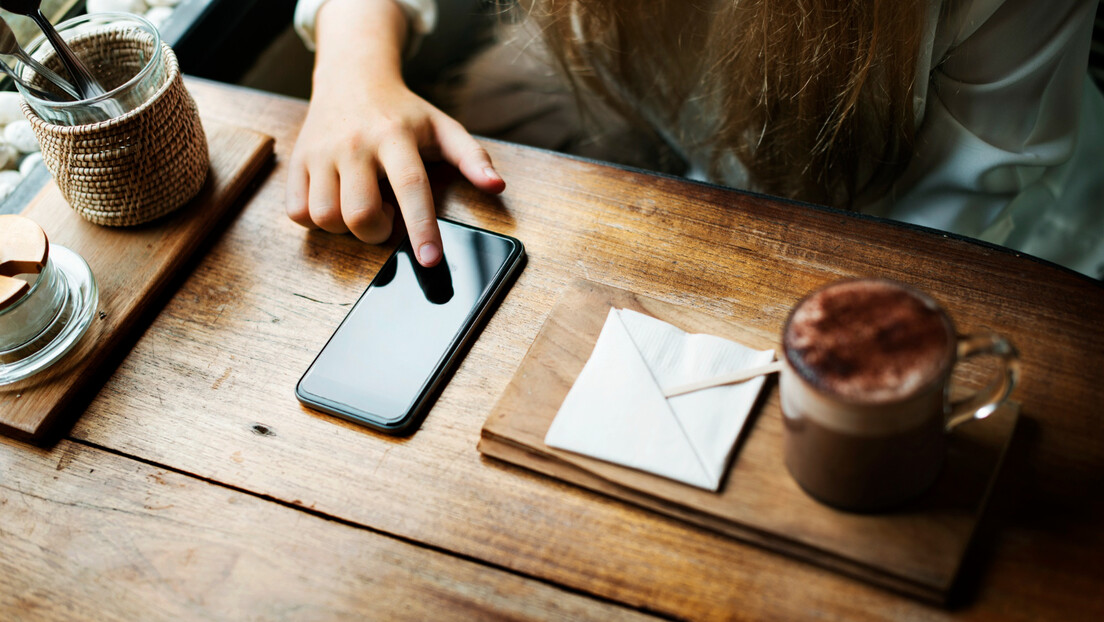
x=428 y=253
x=491 y=173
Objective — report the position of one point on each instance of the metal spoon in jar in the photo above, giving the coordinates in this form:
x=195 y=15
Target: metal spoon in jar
x=77 y=71
x=9 y=46
x=33 y=90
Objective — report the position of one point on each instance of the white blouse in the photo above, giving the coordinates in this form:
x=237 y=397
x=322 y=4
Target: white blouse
x=1010 y=129
x=1010 y=148
x=422 y=15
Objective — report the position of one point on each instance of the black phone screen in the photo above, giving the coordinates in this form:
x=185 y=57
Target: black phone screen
x=385 y=358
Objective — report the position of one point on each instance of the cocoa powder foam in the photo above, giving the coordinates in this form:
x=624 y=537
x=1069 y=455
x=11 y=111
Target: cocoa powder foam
x=869 y=341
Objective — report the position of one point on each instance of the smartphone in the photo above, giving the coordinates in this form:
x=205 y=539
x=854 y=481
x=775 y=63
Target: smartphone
x=384 y=363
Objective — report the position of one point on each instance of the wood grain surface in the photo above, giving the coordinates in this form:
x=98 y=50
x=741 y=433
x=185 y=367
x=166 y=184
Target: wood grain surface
x=208 y=391
x=133 y=268
x=122 y=540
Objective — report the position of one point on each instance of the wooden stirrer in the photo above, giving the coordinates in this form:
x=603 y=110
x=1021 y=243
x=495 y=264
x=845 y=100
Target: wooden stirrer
x=731 y=378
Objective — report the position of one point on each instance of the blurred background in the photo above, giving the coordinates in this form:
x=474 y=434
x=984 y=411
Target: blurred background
x=252 y=43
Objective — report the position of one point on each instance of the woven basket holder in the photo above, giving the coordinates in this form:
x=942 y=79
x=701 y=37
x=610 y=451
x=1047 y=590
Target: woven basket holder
x=136 y=167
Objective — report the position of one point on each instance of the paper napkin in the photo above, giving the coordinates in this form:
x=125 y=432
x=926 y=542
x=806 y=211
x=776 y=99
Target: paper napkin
x=616 y=410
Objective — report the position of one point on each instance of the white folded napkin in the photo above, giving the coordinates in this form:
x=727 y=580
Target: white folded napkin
x=616 y=410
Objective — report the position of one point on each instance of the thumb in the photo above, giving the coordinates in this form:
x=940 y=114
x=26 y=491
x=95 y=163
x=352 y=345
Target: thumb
x=460 y=149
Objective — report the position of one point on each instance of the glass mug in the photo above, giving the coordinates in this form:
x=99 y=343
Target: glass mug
x=865 y=391
x=122 y=51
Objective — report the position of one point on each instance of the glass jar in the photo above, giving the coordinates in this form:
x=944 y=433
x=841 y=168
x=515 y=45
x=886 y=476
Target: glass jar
x=49 y=318
x=122 y=52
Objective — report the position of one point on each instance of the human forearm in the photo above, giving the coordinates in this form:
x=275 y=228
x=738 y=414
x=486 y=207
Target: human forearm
x=365 y=125
x=359 y=40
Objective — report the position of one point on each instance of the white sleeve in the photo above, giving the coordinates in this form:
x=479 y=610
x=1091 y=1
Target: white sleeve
x=1009 y=147
x=422 y=15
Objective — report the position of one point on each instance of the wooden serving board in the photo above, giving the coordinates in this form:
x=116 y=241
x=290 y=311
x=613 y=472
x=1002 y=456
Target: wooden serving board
x=916 y=550
x=135 y=268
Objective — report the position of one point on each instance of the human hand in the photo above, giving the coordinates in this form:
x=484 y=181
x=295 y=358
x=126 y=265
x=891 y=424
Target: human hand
x=365 y=125
x=352 y=140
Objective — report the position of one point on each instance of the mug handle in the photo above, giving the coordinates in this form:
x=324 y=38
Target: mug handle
x=983 y=403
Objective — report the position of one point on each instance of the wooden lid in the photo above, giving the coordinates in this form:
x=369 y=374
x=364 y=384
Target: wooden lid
x=23 y=250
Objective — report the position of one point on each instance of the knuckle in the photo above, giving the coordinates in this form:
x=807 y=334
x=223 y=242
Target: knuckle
x=377 y=233
x=315 y=153
x=422 y=226
x=411 y=179
x=390 y=130
x=327 y=216
x=476 y=152
x=354 y=142
x=364 y=217
x=369 y=221
x=298 y=212
x=322 y=208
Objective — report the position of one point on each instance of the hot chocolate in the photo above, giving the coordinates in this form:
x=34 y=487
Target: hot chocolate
x=864 y=391
x=869 y=341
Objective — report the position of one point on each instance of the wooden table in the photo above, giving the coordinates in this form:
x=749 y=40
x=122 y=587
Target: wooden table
x=194 y=485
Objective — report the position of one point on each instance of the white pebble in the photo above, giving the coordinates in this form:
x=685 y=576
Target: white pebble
x=29 y=163
x=9 y=107
x=158 y=15
x=8 y=181
x=9 y=156
x=116 y=6
x=163 y=2
x=20 y=135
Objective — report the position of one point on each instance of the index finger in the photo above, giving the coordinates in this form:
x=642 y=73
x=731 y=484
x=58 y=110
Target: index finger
x=403 y=165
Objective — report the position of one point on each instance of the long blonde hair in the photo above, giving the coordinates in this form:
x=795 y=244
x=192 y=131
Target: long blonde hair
x=814 y=100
